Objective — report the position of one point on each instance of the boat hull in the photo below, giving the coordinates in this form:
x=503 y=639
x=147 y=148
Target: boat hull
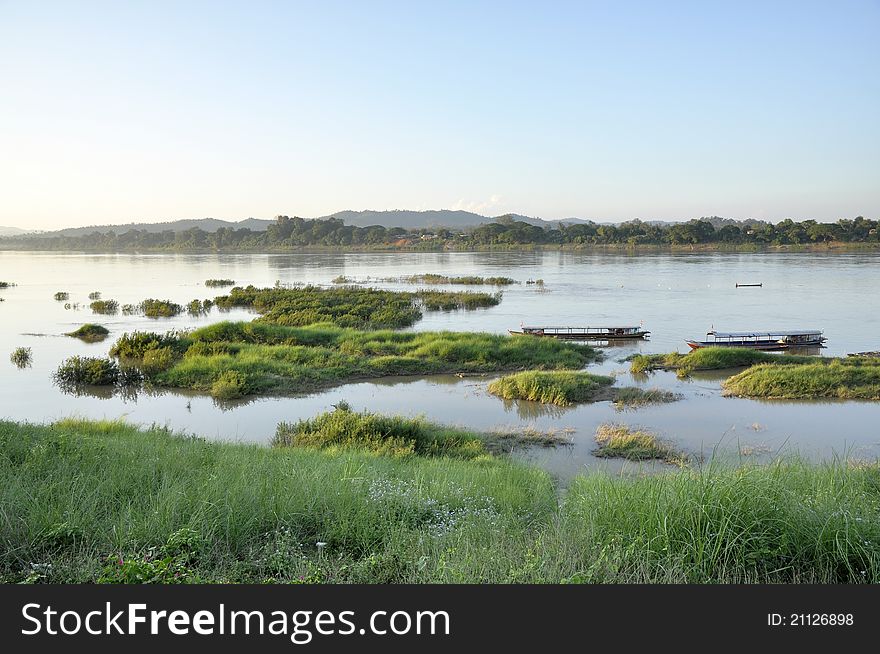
x=752 y=345
x=584 y=336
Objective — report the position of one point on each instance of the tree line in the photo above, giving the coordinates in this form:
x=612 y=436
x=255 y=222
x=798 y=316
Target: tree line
x=288 y=233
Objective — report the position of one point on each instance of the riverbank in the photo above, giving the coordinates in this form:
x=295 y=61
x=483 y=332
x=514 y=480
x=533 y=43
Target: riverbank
x=107 y=502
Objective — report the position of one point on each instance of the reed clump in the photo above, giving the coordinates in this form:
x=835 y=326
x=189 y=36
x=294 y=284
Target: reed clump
x=556 y=387
x=106 y=307
x=21 y=357
x=212 y=283
x=466 y=280
x=62 y=296
x=153 y=308
x=631 y=397
x=395 y=436
x=619 y=441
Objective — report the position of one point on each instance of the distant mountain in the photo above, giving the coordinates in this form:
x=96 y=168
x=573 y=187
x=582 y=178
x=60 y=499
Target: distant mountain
x=205 y=224
x=453 y=219
x=411 y=219
x=14 y=231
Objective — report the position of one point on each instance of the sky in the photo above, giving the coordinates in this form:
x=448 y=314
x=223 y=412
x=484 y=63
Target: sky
x=152 y=111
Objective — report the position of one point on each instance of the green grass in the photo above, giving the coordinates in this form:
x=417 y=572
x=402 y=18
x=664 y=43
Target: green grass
x=104 y=501
x=852 y=379
x=390 y=435
x=21 y=357
x=634 y=397
x=711 y=358
x=348 y=306
x=90 y=333
x=560 y=388
x=619 y=441
x=233 y=359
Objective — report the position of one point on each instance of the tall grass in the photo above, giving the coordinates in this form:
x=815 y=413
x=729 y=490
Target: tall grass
x=852 y=379
x=88 y=501
x=560 y=388
x=391 y=435
x=787 y=522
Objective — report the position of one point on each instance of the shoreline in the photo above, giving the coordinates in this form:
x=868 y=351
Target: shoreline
x=745 y=248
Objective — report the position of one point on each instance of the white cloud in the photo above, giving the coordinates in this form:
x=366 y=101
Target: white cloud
x=489 y=207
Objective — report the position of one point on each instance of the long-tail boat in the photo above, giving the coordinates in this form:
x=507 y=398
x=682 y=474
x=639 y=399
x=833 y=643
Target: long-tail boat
x=583 y=333
x=769 y=340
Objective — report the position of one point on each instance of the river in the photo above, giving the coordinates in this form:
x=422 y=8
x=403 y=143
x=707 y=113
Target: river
x=675 y=296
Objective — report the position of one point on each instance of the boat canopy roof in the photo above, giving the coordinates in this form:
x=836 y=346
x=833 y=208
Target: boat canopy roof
x=578 y=328
x=795 y=332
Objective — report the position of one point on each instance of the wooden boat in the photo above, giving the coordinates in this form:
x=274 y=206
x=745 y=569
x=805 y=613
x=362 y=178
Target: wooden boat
x=779 y=340
x=583 y=333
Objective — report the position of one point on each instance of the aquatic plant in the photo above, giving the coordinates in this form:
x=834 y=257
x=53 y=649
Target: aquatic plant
x=633 y=397
x=851 y=379
x=95 y=295
x=21 y=357
x=159 y=308
x=6 y=284
x=342 y=279
x=469 y=280
x=560 y=388
x=219 y=282
x=62 y=296
x=452 y=300
x=619 y=441
x=90 y=333
x=107 y=307
x=86 y=370
x=199 y=307
x=342 y=428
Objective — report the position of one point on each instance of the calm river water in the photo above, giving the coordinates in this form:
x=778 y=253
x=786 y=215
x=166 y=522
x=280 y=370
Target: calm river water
x=676 y=296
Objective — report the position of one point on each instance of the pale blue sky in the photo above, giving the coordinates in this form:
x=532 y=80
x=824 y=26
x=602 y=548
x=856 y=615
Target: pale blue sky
x=117 y=112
